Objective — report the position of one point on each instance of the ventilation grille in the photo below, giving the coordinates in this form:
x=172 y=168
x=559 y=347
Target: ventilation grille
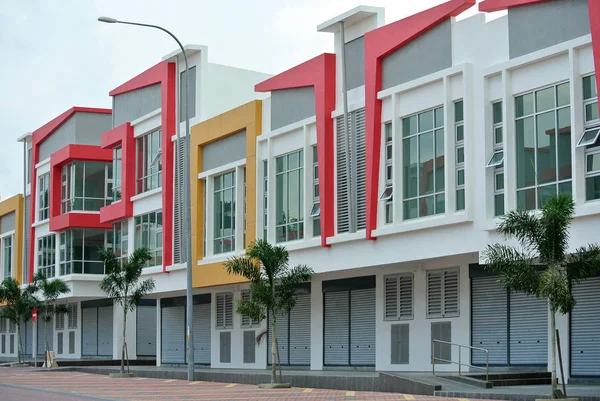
x=343 y=217
x=442 y=293
x=225 y=311
x=399 y=297
x=179 y=236
x=361 y=168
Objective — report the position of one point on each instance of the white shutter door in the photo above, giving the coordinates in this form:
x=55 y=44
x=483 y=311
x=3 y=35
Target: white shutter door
x=451 y=286
x=300 y=331
x=105 y=331
x=528 y=330
x=336 y=327
x=434 y=294
x=89 y=331
x=489 y=316
x=146 y=330
x=202 y=331
x=173 y=335
x=362 y=334
x=361 y=168
x=585 y=329
x=391 y=298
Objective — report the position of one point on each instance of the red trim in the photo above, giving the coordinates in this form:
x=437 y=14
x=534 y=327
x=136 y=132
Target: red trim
x=380 y=43
x=121 y=136
x=71 y=220
x=153 y=75
x=37 y=137
x=320 y=73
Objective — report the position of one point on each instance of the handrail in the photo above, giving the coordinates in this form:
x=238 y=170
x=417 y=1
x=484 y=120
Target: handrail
x=459 y=363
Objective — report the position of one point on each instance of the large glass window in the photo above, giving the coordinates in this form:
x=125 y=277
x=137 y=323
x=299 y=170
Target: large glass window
x=543 y=142
x=149 y=161
x=120 y=239
x=423 y=164
x=47 y=255
x=590 y=137
x=388 y=192
x=224 y=213
x=43 y=198
x=79 y=251
x=496 y=162
x=265 y=199
x=117 y=169
x=315 y=212
x=85 y=186
x=459 y=140
x=289 y=197
x=7 y=256
x=148 y=234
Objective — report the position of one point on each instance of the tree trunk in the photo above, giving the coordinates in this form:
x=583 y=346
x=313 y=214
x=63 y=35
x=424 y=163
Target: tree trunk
x=279 y=364
x=45 y=338
x=124 y=343
x=19 y=350
x=553 y=337
x=274 y=353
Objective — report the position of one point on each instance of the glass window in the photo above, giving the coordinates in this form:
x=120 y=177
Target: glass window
x=149 y=162
x=28 y=166
x=7 y=256
x=423 y=165
x=590 y=100
x=387 y=195
x=265 y=199
x=44 y=197
x=79 y=251
x=120 y=239
x=84 y=186
x=460 y=154
x=117 y=171
x=543 y=139
x=47 y=255
x=497 y=160
x=316 y=216
x=148 y=234
x=224 y=213
x=289 y=197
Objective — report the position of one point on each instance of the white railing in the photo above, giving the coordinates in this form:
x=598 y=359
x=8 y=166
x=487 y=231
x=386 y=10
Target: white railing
x=459 y=363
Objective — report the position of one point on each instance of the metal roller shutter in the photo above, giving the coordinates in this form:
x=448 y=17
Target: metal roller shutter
x=300 y=329
x=282 y=339
x=27 y=335
x=528 y=330
x=336 y=327
x=145 y=334
x=202 y=333
x=362 y=325
x=489 y=320
x=105 y=331
x=585 y=329
x=173 y=335
x=89 y=331
x=40 y=336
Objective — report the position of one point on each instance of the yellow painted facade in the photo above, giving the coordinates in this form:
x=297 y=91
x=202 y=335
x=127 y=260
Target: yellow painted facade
x=249 y=118
x=15 y=205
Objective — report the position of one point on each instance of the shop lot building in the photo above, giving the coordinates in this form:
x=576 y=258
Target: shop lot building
x=450 y=124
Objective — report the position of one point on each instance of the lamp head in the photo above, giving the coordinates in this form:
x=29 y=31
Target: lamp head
x=108 y=20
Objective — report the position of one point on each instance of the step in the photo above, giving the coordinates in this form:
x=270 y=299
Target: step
x=512 y=375
x=522 y=382
x=470 y=380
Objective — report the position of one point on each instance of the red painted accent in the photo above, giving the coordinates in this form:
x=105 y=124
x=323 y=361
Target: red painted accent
x=380 y=43
x=153 y=75
x=37 y=137
x=320 y=73
x=60 y=158
x=593 y=10
x=121 y=136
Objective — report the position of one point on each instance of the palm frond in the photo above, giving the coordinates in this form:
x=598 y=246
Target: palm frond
x=522 y=225
x=554 y=285
x=243 y=266
x=517 y=270
x=584 y=262
x=553 y=242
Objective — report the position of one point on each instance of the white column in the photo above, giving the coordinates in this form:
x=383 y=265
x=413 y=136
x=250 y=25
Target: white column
x=158 y=331
x=577 y=111
x=316 y=325
x=510 y=146
x=210 y=206
x=450 y=149
x=237 y=338
x=562 y=324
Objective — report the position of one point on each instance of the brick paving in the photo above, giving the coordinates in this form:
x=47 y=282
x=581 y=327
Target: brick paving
x=51 y=385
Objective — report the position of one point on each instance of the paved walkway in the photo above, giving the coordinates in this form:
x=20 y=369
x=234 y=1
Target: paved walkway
x=85 y=386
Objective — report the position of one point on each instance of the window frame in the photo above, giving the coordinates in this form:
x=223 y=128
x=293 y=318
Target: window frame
x=443 y=314
x=68 y=185
x=387 y=195
x=143 y=177
x=121 y=227
x=316 y=198
x=8 y=241
x=399 y=316
x=460 y=145
x=233 y=211
x=43 y=197
x=49 y=258
x=228 y=323
x=117 y=175
x=143 y=222
x=67 y=260
x=288 y=226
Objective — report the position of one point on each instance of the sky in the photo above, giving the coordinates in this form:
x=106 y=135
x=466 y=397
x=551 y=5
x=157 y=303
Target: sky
x=55 y=55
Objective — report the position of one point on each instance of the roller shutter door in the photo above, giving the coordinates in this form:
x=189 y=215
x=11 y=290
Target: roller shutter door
x=145 y=336
x=362 y=327
x=173 y=334
x=27 y=336
x=202 y=331
x=336 y=327
x=300 y=331
x=105 y=331
x=489 y=320
x=528 y=330
x=585 y=329
x=40 y=336
x=89 y=331
x=283 y=330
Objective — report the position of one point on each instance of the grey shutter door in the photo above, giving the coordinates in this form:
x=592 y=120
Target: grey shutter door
x=361 y=168
x=225 y=346
x=300 y=331
x=3 y=344
x=27 y=335
x=336 y=326
x=71 y=342
x=89 y=331
x=145 y=333
x=40 y=336
x=343 y=217
x=202 y=333
x=442 y=331
x=105 y=331
x=249 y=346
x=362 y=327
x=282 y=339
x=400 y=344
x=173 y=335
x=528 y=330
x=585 y=329
x=489 y=326
x=59 y=346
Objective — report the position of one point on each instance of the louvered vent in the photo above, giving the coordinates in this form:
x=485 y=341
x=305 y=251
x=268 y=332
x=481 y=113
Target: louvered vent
x=451 y=293
x=399 y=297
x=246 y=320
x=26 y=239
x=434 y=294
x=443 y=293
x=60 y=321
x=72 y=316
x=225 y=311
x=179 y=236
x=343 y=218
x=361 y=168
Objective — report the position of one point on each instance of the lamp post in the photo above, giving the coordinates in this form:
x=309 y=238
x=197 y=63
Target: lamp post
x=186 y=189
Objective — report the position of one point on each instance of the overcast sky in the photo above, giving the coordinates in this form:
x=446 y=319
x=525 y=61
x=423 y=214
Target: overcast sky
x=55 y=54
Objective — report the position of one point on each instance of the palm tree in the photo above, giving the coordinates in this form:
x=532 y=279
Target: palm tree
x=272 y=288
x=50 y=291
x=19 y=306
x=542 y=265
x=122 y=284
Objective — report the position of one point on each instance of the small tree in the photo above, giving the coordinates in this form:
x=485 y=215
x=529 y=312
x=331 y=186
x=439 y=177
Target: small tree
x=50 y=291
x=272 y=288
x=542 y=264
x=122 y=284
x=19 y=306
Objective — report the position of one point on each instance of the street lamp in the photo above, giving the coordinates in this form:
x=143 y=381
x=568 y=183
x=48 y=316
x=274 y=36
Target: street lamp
x=186 y=189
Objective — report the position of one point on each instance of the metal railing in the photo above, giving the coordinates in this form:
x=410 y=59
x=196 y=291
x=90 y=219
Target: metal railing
x=459 y=363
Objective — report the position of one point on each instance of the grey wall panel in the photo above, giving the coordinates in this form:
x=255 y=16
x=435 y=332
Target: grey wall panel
x=173 y=334
x=528 y=330
x=90 y=127
x=71 y=342
x=105 y=331
x=429 y=53
x=27 y=336
x=291 y=105
x=89 y=332
x=442 y=331
x=3 y=344
x=355 y=63
x=191 y=94
x=40 y=335
x=362 y=327
x=64 y=135
x=249 y=346
x=202 y=329
x=537 y=26
x=59 y=345
x=489 y=320
x=585 y=324
x=225 y=347
x=145 y=335
x=224 y=151
x=336 y=326
x=135 y=104
x=400 y=344
x=300 y=331
x=7 y=223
